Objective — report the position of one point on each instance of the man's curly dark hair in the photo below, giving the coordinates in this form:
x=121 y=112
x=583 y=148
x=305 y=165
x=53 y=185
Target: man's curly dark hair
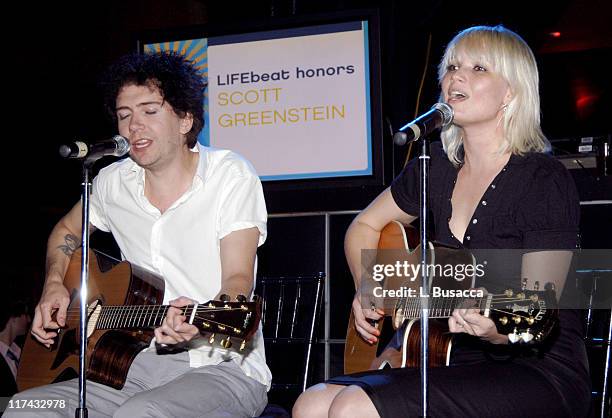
x=173 y=75
x=12 y=309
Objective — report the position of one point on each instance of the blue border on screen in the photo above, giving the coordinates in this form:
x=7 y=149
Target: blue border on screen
x=284 y=33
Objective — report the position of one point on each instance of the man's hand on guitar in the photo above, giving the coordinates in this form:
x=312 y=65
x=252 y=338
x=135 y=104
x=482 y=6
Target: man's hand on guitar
x=175 y=328
x=471 y=322
x=50 y=313
x=364 y=319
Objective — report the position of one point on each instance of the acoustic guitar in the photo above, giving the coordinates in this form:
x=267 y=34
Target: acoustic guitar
x=122 y=314
x=525 y=316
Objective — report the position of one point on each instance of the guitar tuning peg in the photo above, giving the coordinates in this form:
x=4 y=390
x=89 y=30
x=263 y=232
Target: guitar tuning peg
x=212 y=338
x=224 y=298
x=524 y=283
x=242 y=345
x=503 y=320
x=241 y=298
x=226 y=343
x=513 y=337
x=536 y=285
x=516 y=319
x=508 y=293
x=526 y=336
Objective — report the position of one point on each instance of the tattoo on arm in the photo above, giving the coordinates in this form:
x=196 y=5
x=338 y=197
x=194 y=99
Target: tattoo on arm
x=71 y=245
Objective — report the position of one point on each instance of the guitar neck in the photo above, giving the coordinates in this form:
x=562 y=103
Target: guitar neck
x=238 y=319
x=441 y=307
x=135 y=316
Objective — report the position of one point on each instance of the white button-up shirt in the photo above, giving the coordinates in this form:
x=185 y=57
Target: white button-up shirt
x=183 y=244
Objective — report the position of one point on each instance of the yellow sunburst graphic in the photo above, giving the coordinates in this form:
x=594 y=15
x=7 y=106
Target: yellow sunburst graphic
x=195 y=50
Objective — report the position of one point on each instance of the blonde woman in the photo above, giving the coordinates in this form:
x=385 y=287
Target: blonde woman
x=492 y=186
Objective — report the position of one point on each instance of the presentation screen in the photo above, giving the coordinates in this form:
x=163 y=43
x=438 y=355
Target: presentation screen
x=294 y=101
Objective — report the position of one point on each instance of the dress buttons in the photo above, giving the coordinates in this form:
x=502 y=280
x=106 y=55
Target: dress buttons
x=468 y=238
x=484 y=203
x=475 y=221
x=492 y=186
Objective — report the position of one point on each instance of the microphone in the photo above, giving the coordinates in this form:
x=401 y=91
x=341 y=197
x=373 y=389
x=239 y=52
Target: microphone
x=117 y=146
x=440 y=115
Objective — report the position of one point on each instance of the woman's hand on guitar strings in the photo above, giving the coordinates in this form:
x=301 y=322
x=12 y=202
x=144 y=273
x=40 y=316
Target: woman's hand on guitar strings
x=470 y=321
x=364 y=319
x=50 y=313
x=175 y=328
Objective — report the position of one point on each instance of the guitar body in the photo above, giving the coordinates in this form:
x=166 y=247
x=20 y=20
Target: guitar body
x=524 y=316
x=360 y=355
x=109 y=352
x=390 y=349
x=440 y=343
x=404 y=349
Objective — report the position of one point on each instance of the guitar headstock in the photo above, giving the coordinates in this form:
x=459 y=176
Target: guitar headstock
x=526 y=316
x=233 y=319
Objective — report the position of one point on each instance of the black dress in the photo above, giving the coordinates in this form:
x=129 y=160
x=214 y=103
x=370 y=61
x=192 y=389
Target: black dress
x=531 y=204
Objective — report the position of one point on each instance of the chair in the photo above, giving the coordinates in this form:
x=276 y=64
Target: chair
x=290 y=311
x=597 y=286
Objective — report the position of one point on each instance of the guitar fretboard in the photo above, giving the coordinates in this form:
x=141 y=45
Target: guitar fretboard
x=134 y=316
x=441 y=307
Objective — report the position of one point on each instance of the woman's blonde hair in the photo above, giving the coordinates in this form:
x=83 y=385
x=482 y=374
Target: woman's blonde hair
x=510 y=56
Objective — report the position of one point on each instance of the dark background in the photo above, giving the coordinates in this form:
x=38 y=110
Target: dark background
x=52 y=59
x=54 y=52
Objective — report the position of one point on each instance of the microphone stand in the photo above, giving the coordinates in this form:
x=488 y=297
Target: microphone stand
x=81 y=411
x=424 y=291
x=440 y=115
x=117 y=146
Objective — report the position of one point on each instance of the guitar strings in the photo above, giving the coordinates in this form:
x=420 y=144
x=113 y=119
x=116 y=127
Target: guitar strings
x=126 y=307
x=195 y=317
x=509 y=313
x=199 y=317
x=412 y=307
x=217 y=322
x=72 y=312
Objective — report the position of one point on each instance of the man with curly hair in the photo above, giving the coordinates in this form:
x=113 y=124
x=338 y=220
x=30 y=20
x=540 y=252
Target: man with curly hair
x=192 y=214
